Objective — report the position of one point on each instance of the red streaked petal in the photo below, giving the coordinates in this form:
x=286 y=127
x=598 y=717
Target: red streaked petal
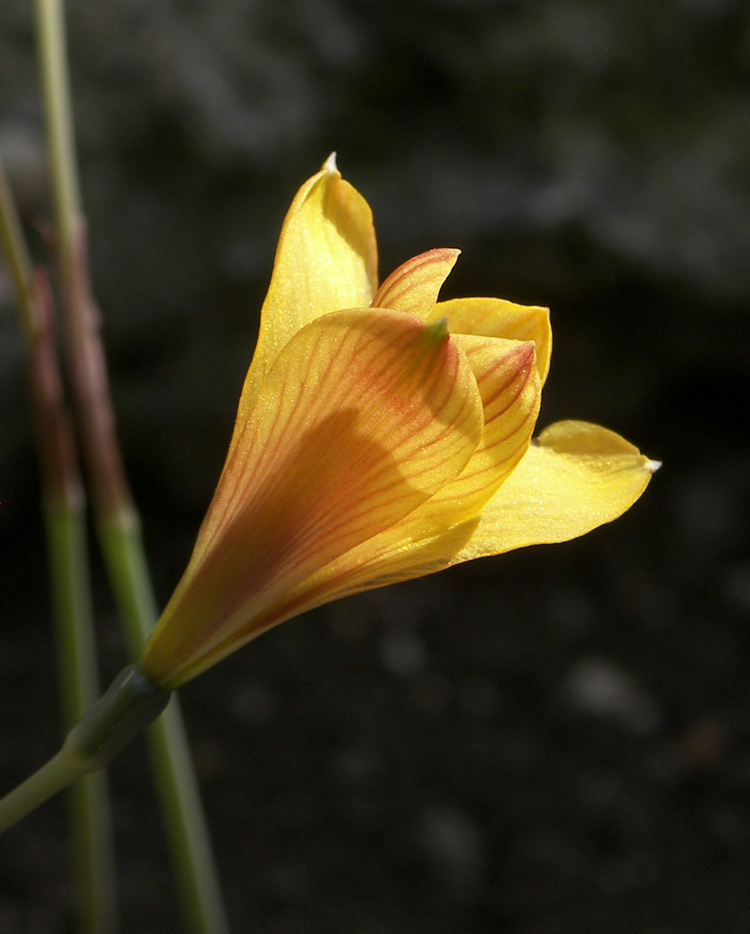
x=572 y=479
x=495 y=317
x=364 y=416
x=509 y=386
x=415 y=285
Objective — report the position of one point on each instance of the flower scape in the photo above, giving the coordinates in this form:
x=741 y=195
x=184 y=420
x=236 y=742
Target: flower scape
x=381 y=435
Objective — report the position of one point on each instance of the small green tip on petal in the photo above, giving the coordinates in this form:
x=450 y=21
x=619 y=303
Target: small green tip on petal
x=437 y=332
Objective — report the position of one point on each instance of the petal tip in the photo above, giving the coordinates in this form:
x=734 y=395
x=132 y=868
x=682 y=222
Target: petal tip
x=330 y=166
x=527 y=352
x=522 y=358
x=446 y=252
x=652 y=466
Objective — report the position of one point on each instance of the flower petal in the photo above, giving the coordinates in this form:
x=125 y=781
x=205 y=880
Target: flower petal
x=509 y=385
x=326 y=260
x=364 y=416
x=415 y=285
x=426 y=540
x=494 y=317
x=574 y=478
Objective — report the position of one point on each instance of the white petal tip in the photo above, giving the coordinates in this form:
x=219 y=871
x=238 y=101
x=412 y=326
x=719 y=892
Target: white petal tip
x=653 y=466
x=330 y=163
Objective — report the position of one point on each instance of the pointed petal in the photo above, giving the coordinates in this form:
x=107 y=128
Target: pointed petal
x=364 y=416
x=415 y=285
x=576 y=477
x=494 y=317
x=326 y=260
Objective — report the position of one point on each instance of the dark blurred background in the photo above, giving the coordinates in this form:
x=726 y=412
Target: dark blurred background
x=553 y=741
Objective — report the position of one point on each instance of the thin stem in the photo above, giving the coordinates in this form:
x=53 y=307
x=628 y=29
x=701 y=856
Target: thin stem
x=116 y=516
x=52 y=777
x=93 y=854
x=121 y=714
x=16 y=255
x=89 y=810
x=66 y=543
x=52 y=44
x=63 y=507
x=175 y=778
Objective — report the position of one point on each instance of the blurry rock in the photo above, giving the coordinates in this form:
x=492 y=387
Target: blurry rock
x=402 y=653
x=455 y=847
x=736 y=586
x=601 y=688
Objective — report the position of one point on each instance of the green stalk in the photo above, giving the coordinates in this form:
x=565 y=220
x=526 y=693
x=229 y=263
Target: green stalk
x=64 y=516
x=89 y=809
x=122 y=546
x=116 y=516
x=129 y=705
x=17 y=257
x=52 y=777
x=58 y=114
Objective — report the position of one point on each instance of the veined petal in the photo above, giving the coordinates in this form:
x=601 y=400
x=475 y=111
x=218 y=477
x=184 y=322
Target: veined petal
x=574 y=478
x=415 y=285
x=326 y=260
x=494 y=317
x=509 y=385
x=427 y=539
x=363 y=416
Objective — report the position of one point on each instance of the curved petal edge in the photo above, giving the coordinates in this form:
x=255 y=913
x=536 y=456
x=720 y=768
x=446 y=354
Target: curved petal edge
x=574 y=477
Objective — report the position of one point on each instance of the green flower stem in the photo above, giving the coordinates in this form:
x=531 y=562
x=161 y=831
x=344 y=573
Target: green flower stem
x=88 y=804
x=52 y=777
x=118 y=523
x=52 y=46
x=16 y=255
x=117 y=718
x=130 y=704
x=177 y=788
x=64 y=517
x=93 y=854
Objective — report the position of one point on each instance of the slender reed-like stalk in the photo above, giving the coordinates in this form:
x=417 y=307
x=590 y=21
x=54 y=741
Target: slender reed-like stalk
x=116 y=516
x=90 y=814
x=16 y=257
x=179 y=796
x=64 y=518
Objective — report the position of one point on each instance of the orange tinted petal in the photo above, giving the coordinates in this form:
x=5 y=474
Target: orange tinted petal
x=574 y=478
x=427 y=539
x=364 y=415
x=415 y=285
x=509 y=385
x=494 y=317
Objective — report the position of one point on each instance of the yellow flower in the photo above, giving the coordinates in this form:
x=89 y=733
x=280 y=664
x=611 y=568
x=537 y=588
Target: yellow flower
x=381 y=435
